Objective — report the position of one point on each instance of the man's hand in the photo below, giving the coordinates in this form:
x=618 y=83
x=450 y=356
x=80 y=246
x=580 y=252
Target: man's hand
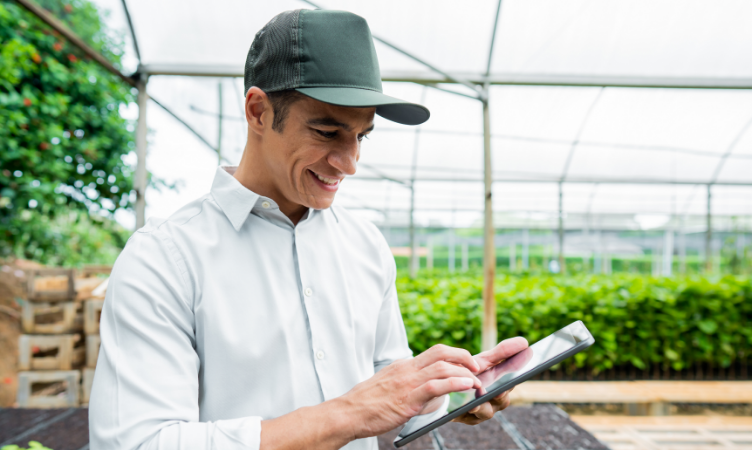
x=404 y=389
x=504 y=350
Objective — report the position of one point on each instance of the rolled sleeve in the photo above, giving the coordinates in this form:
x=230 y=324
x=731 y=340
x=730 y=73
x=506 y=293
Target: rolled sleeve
x=146 y=388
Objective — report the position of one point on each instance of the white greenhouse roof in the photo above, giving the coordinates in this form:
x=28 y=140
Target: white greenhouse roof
x=618 y=150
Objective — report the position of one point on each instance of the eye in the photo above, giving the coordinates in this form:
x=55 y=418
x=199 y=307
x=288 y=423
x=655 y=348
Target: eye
x=327 y=134
x=361 y=137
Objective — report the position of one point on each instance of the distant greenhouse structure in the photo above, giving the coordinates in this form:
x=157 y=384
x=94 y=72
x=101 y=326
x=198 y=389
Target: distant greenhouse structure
x=567 y=134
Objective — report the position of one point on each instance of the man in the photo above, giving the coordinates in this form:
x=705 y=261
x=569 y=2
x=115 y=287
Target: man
x=257 y=316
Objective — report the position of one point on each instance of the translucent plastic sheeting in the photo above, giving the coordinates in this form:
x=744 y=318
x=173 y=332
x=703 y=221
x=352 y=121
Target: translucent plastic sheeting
x=618 y=137
x=641 y=38
x=636 y=37
x=629 y=135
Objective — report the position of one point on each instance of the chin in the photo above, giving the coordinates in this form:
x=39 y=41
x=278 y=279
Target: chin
x=321 y=203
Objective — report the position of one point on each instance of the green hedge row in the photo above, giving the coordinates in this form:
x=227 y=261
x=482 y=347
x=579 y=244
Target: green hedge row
x=636 y=320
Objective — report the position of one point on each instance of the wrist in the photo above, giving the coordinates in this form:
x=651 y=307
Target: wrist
x=342 y=418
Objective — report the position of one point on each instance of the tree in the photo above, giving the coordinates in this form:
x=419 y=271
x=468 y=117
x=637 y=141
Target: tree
x=62 y=139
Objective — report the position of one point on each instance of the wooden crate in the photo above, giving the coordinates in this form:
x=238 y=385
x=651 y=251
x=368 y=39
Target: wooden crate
x=51 y=285
x=88 y=271
x=44 y=352
x=92 y=314
x=93 y=342
x=52 y=318
x=86 y=383
x=87 y=288
x=49 y=389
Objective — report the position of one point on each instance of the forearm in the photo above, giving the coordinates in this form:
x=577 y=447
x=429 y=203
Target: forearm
x=328 y=425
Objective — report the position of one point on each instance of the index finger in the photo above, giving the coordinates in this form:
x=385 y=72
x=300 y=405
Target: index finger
x=442 y=352
x=505 y=349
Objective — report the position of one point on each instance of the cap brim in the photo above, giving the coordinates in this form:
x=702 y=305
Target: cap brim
x=387 y=107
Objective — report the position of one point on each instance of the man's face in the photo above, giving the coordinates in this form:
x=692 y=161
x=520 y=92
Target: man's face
x=318 y=146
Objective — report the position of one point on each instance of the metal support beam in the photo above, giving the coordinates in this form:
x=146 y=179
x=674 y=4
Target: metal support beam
x=709 y=234
x=668 y=253
x=570 y=180
x=683 y=248
x=140 y=179
x=451 y=247
x=74 y=39
x=489 y=333
x=513 y=256
x=219 y=125
x=133 y=32
x=414 y=262
x=502 y=79
x=429 y=253
x=414 y=259
x=562 y=268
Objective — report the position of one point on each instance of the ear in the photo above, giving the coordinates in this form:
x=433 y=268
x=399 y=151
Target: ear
x=258 y=111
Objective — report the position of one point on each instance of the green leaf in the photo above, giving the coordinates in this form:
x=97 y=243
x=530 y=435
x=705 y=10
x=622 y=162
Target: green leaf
x=708 y=326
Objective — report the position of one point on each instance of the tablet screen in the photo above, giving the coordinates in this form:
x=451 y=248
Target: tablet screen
x=539 y=353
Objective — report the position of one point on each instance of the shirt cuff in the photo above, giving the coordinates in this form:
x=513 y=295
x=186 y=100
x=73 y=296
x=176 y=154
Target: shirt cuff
x=243 y=433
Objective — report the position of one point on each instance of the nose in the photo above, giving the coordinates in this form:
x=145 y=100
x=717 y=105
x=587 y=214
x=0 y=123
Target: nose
x=345 y=158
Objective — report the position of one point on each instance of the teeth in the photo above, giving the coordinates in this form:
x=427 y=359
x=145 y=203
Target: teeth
x=329 y=181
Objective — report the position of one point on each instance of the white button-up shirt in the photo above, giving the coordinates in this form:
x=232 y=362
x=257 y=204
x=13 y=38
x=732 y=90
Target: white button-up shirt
x=226 y=314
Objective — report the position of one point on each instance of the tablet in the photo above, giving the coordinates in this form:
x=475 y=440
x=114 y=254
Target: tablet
x=545 y=353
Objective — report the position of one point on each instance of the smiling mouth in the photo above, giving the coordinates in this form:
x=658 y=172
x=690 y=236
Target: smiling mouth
x=325 y=180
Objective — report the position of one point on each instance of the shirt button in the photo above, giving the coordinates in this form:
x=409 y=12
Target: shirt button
x=308 y=292
x=266 y=205
x=320 y=354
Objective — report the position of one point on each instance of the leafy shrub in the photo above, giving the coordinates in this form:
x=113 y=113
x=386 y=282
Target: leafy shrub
x=63 y=143
x=33 y=445
x=636 y=320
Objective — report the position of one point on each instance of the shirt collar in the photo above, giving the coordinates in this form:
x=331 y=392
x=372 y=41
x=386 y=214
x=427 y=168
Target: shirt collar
x=236 y=200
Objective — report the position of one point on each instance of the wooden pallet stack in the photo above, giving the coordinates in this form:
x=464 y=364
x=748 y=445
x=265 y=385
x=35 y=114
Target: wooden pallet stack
x=92 y=313
x=53 y=349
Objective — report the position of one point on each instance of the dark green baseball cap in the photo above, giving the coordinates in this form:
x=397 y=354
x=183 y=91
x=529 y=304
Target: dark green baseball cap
x=328 y=56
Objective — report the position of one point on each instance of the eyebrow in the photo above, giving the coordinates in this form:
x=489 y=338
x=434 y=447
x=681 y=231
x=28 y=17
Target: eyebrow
x=331 y=122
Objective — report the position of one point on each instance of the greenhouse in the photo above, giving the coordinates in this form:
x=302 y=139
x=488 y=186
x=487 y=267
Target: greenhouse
x=584 y=160
x=629 y=138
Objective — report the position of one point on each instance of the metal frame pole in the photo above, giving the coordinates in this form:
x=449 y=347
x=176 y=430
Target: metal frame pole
x=414 y=258
x=489 y=334
x=513 y=256
x=709 y=234
x=414 y=261
x=562 y=267
x=451 y=248
x=140 y=179
x=683 y=249
x=219 y=131
x=668 y=252
x=429 y=253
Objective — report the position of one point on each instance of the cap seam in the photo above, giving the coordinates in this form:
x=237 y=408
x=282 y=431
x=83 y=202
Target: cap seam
x=301 y=69
x=296 y=50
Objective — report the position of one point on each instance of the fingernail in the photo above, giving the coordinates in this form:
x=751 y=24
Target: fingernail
x=468 y=382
